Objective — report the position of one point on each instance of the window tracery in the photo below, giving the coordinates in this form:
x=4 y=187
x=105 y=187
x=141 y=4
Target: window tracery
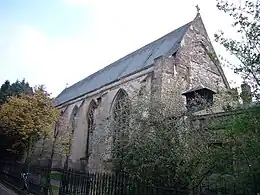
x=91 y=127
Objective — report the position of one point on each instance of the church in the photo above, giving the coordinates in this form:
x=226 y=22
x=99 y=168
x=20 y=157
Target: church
x=182 y=61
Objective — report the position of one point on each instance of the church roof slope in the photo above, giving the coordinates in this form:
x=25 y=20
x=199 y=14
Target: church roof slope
x=132 y=63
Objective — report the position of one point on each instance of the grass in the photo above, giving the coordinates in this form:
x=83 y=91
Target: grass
x=55 y=176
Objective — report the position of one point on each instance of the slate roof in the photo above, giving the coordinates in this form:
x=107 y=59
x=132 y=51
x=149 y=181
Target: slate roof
x=130 y=64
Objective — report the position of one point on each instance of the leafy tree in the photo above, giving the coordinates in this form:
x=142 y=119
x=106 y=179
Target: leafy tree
x=7 y=90
x=15 y=88
x=28 y=117
x=32 y=119
x=158 y=146
x=241 y=132
x=161 y=147
x=246 y=47
x=241 y=138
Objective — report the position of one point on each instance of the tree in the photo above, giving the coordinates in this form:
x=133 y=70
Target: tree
x=28 y=117
x=241 y=138
x=241 y=133
x=15 y=88
x=246 y=48
x=7 y=90
x=159 y=147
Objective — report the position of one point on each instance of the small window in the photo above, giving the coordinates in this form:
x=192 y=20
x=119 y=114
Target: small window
x=199 y=98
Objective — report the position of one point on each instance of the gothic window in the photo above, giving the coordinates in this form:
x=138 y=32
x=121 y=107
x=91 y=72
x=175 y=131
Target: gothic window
x=73 y=124
x=74 y=119
x=120 y=114
x=91 y=127
x=121 y=111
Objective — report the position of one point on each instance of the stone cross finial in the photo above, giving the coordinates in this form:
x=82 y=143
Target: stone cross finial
x=198 y=8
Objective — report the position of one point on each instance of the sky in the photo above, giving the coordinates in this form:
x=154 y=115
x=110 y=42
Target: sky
x=59 y=42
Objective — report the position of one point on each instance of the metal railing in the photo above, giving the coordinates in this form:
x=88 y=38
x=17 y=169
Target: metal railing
x=78 y=183
x=11 y=173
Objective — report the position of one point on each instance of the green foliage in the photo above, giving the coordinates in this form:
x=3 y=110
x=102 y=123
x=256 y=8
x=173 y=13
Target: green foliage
x=15 y=88
x=240 y=138
x=237 y=153
x=244 y=136
x=7 y=90
x=186 y=151
x=246 y=47
x=157 y=149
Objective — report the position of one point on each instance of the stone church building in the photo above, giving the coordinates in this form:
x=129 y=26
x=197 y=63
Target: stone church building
x=182 y=61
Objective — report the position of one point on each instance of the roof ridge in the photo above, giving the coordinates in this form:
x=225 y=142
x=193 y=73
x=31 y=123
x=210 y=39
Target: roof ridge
x=125 y=57
x=135 y=61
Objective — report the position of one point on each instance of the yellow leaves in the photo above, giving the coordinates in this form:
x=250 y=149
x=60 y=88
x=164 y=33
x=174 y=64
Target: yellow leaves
x=28 y=115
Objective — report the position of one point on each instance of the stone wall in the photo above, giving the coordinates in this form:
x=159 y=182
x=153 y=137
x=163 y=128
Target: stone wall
x=192 y=66
x=202 y=67
x=173 y=81
x=100 y=158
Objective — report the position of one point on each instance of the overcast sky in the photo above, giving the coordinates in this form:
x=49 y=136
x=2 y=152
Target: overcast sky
x=59 y=42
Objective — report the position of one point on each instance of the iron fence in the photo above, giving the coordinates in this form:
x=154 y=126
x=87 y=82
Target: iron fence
x=107 y=184
x=78 y=183
x=10 y=172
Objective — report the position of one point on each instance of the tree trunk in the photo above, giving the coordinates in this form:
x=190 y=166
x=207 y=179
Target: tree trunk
x=28 y=155
x=50 y=166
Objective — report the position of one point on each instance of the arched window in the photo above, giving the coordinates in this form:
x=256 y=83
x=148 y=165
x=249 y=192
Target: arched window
x=120 y=114
x=91 y=127
x=72 y=127
x=74 y=119
x=121 y=109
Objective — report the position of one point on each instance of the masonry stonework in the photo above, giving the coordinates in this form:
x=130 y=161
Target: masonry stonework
x=99 y=158
x=198 y=56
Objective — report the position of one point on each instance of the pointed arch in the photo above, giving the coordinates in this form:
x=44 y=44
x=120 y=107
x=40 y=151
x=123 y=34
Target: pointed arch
x=121 y=103
x=121 y=119
x=90 y=127
x=74 y=118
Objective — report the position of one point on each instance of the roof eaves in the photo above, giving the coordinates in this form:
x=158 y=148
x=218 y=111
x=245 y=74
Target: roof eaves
x=177 y=45
x=198 y=88
x=64 y=102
